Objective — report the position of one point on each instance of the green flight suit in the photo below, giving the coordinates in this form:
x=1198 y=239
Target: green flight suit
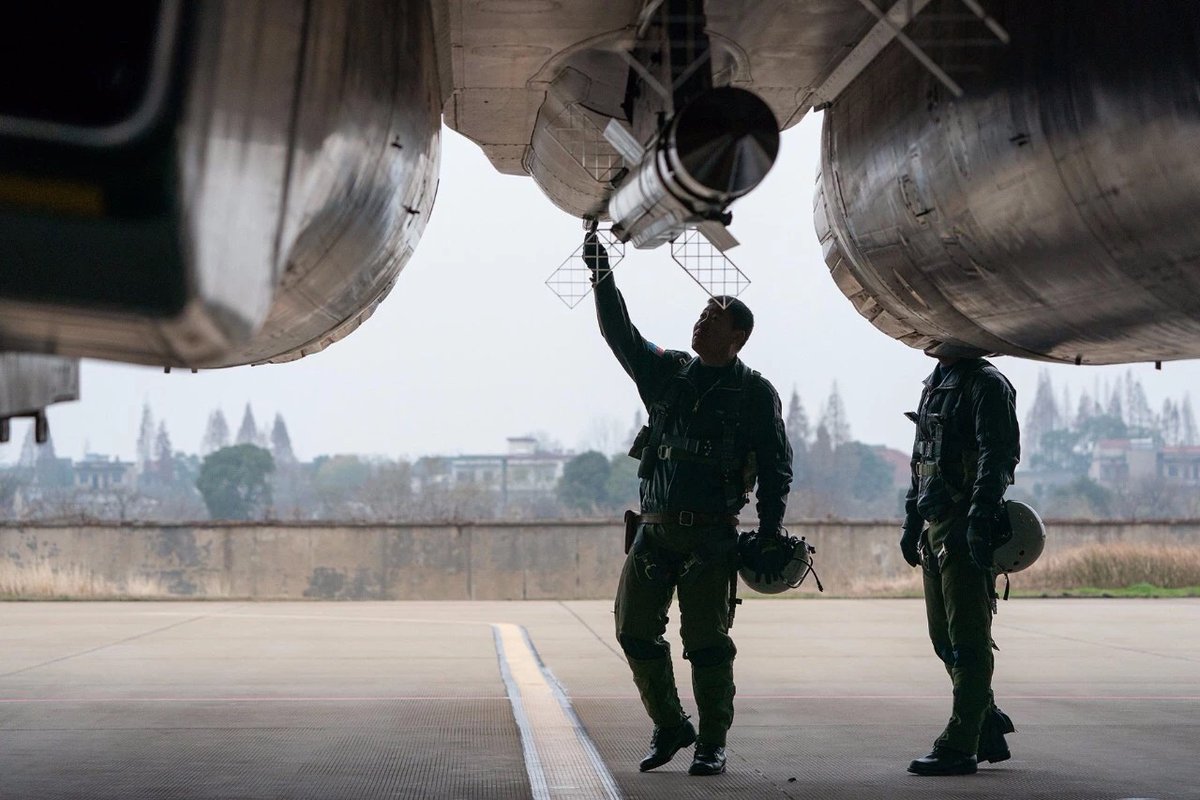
x=707 y=425
x=967 y=447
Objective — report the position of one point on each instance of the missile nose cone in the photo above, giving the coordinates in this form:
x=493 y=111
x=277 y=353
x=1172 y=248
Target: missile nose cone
x=726 y=140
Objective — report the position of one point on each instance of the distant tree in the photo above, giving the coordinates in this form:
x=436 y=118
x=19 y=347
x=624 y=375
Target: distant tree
x=1115 y=408
x=621 y=488
x=835 y=420
x=604 y=435
x=1103 y=426
x=1087 y=409
x=1137 y=409
x=338 y=479
x=281 y=442
x=861 y=473
x=233 y=481
x=1060 y=451
x=1082 y=497
x=1187 y=423
x=1043 y=415
x=1170 y=423
x=164 y=456
x=1065 y=419
x=797 y=433
x=10 y=481
x=584 y=482
x=797 y=422
x=387 y=492
x=216 y=433
x=145 y=440
x=30 y=450
x=248 y=431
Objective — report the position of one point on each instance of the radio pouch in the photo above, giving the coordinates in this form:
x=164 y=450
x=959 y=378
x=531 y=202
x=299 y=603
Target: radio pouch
x=631 y=523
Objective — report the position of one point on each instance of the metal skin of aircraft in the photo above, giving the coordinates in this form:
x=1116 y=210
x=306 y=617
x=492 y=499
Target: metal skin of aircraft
x=241 y=181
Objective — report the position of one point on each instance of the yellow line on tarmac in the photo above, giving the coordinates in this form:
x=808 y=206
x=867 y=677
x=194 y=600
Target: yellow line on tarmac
x=560 y=759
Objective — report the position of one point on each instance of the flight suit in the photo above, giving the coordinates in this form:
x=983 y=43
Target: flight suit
x=712 y=431
x=967 y=447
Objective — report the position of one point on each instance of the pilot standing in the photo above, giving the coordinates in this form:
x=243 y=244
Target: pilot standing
x=967 y=446
x=713 y=424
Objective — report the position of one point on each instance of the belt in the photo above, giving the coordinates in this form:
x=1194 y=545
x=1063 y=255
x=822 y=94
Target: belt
x=687 y=519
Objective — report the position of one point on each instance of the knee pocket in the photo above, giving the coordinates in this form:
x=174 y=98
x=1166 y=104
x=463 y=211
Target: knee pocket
x=642 y=650
x=968 y=656
x=710 y=656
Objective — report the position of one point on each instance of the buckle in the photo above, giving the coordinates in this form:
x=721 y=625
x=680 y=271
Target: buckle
x=664 y=452
x=687 y=519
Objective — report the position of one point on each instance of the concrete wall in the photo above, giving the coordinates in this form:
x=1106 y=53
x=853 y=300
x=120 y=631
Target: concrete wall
x=496 y=561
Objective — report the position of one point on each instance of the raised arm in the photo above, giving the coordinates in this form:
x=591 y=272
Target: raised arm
x=646 y=363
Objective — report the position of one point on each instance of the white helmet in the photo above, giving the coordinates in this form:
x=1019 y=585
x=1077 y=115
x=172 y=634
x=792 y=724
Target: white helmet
x=1025 y=541
x=799 y=564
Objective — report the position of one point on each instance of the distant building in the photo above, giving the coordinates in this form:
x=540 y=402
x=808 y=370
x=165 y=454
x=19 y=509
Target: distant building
x=1117 y=461
x=1180 y=465
x=523 y=471
x=99 y=473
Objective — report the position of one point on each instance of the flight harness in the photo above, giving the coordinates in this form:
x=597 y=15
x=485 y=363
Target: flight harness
x=653 y=444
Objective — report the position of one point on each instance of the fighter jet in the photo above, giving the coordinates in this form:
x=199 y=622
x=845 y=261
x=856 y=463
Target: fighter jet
x=241 y=181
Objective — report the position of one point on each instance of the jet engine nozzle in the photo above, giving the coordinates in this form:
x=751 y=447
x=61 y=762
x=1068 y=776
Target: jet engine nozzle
x=716 y=149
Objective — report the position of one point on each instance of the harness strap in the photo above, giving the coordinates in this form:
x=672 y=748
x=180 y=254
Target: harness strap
x=684 y=449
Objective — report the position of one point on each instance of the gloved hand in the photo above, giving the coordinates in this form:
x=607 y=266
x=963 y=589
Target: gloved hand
x=979 y=544
x=595 y=256
x=910 y=545
x=771 y=557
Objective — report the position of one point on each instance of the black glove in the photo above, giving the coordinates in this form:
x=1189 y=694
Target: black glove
x=771 y=557
x=910 y=546
x=596 y=257
x=979 y=544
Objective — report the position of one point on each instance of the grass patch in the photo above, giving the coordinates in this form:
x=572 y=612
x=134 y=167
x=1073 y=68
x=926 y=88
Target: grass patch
x=1124 y=567
x=42 y=582
x=1146 y=590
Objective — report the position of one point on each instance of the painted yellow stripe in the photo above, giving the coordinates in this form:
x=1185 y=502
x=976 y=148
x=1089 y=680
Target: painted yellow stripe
x=560 y=759
x=59 y=196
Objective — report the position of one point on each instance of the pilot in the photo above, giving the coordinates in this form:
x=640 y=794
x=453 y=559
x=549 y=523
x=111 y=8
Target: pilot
x=715 y=426
x=967 y=446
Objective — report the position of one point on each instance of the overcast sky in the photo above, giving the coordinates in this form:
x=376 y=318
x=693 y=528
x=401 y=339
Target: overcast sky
x=471 y=347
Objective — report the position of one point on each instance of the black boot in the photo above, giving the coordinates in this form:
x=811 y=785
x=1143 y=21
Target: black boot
x=944 y=761
x=709 y=760
x=666 y=742
x=992 y=746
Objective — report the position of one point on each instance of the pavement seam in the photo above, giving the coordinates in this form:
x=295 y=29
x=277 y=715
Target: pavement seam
x=1139 y=651
x=106 y=645
x=593 y=631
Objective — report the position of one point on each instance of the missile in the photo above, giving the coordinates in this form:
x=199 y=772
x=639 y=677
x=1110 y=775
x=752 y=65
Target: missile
x=716 y=149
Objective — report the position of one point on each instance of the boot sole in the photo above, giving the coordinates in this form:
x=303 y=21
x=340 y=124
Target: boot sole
x=948 y=773
x=705 y=771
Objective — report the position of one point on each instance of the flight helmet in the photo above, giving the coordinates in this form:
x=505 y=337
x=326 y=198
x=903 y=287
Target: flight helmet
x=799 y=563
x=1024 y=541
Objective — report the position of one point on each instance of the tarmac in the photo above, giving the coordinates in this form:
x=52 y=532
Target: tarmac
x=533 y=700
